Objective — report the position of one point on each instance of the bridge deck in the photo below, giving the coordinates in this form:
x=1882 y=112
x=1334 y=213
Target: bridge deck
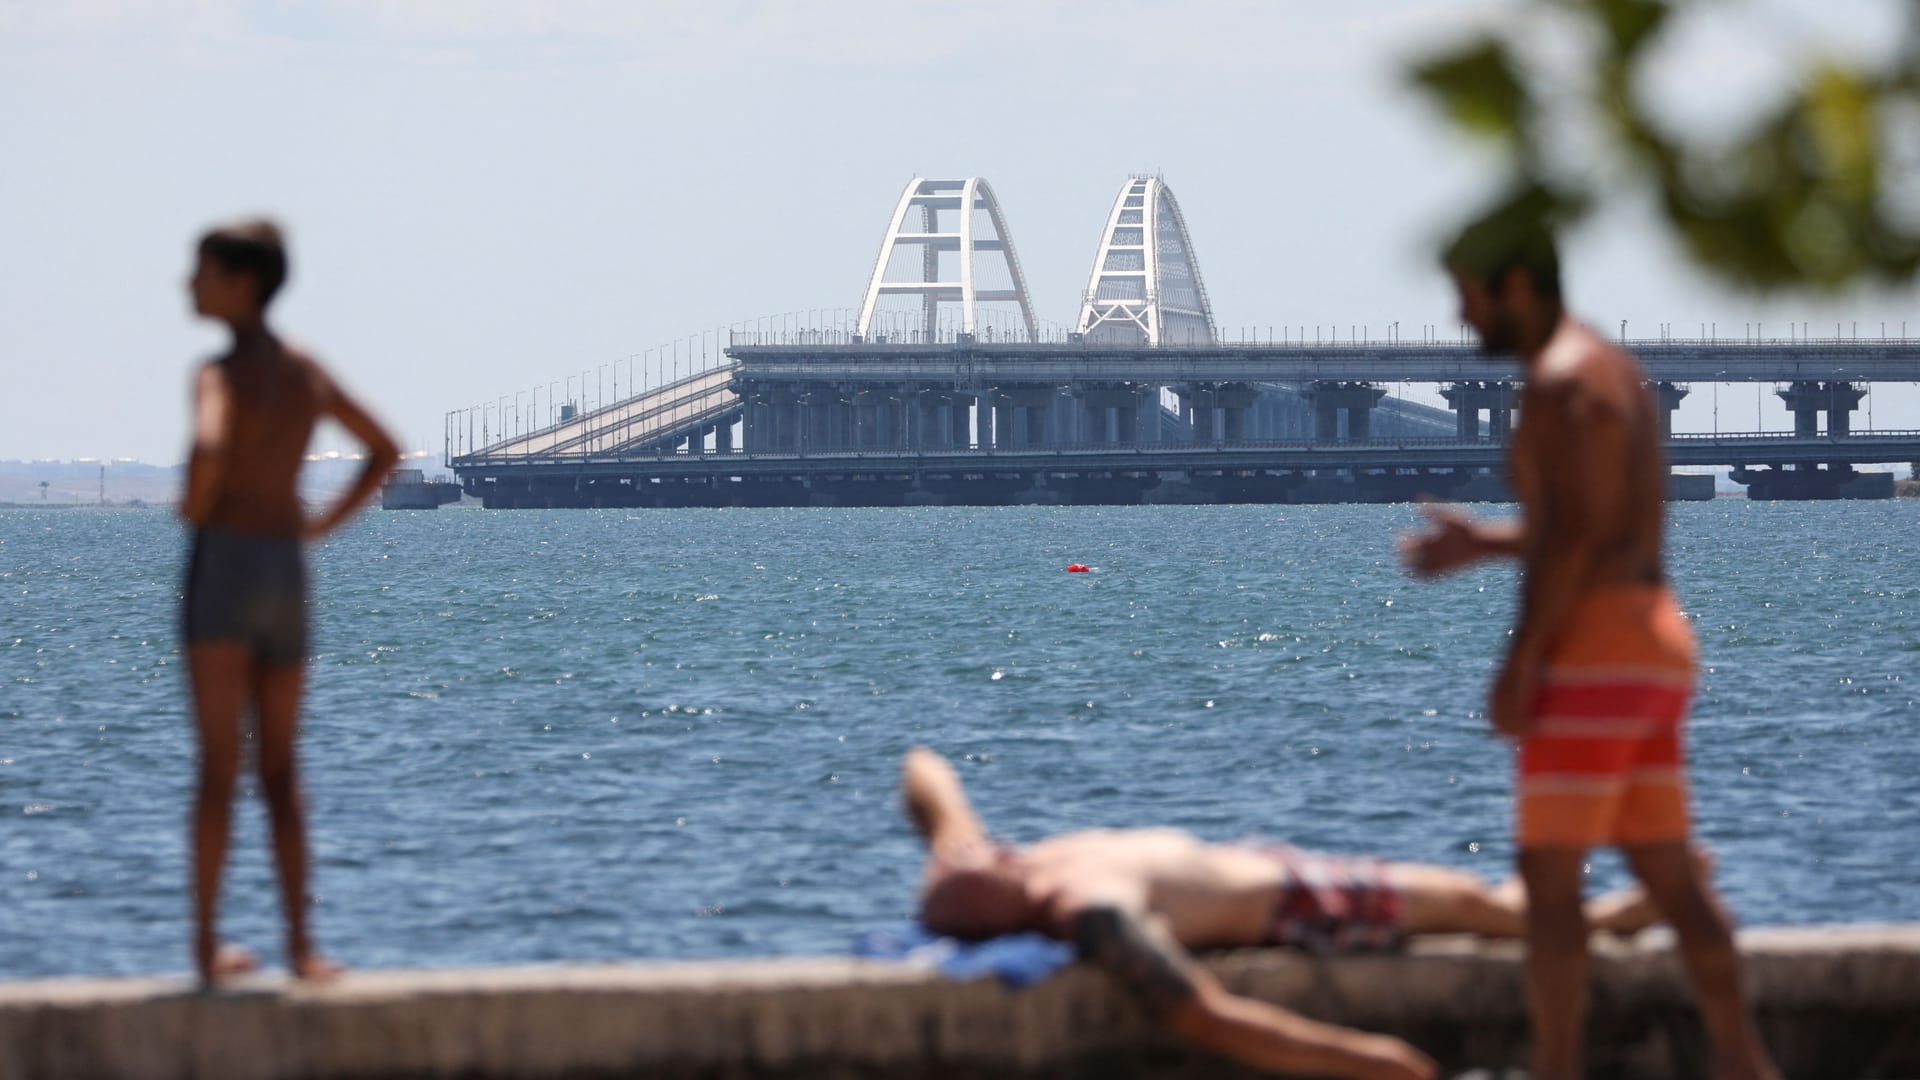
x=989 y=363
x=655 y=416
x=1766 y=448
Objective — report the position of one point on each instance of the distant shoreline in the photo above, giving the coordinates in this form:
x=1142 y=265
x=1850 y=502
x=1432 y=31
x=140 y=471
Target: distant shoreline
x=81 y=506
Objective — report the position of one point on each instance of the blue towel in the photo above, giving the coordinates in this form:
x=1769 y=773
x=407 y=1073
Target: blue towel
x=1018 y=960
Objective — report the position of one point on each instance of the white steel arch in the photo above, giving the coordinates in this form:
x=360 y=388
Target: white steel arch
x=1146 y=287
x=921 y=205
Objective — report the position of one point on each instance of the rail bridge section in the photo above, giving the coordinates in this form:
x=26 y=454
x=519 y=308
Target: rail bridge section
x=860 y=422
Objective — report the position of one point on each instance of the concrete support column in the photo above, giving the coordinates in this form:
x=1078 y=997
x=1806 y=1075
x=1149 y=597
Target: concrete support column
x=1330 y=399
x=723 y=438
x=1002 y=424
x=1233 y=425
x=1326 y=422
x=960 y=423
x=1201 y=404
x=1195 y=406
x=1109 y=414
x=1360 y=425
x=817 y=426
x=1146 y=413
x=750 y=409
x=794 y=415
x=920 y=417
x=1469 y=398
x=893 y=422
x=1090 y=421
x=780 y=433
x=1808 y=400
x=1235 y=401
x=763 y=423
x=1669 y=396
x=1036 y=424
x=1020 y=416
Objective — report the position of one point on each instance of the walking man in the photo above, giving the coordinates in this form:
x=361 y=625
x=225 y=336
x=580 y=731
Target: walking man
x=1598 y=673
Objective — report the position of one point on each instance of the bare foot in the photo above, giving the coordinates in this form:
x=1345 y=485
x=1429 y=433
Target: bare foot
x=226 y=962
x=311 y=967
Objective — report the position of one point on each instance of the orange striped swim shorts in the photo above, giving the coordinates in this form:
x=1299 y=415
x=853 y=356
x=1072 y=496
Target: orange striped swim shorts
x=1601 y=763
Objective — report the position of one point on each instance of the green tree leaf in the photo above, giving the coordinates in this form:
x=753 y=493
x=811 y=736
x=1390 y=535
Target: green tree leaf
x=1478 y=87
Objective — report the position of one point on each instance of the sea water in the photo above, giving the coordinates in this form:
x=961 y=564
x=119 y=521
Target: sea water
x=602 y=735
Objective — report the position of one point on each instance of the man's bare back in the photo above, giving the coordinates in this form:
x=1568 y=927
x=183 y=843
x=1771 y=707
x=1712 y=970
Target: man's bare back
x=273 y=394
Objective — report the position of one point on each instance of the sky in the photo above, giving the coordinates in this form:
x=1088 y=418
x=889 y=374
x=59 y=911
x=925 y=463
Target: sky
x=486 y=195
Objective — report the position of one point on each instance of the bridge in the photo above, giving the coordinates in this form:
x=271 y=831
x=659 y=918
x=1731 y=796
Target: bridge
x=946 y=389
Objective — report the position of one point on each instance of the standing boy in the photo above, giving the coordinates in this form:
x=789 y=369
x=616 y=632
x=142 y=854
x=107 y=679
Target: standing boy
x=1597 y=677
x=255 y=408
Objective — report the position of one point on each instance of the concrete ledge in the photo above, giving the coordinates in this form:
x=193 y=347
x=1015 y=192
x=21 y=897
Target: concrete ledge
x=1841 y=1002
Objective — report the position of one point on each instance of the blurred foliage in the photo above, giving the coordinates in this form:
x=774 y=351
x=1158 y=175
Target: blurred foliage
x=1806 y=196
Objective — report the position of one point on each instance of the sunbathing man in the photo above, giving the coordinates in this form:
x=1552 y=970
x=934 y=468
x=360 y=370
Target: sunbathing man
x=1599 y=669
x=245 y=608
x=1133 y=902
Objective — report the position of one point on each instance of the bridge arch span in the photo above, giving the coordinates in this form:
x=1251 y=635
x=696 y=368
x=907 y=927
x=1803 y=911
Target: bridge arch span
x=938 y=218
x=1145 y=287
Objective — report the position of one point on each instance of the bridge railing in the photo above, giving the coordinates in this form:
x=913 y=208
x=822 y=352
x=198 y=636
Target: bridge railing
x=1251 y=338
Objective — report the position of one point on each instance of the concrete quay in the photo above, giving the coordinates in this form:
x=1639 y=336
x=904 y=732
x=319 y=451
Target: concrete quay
x=1835 y=1002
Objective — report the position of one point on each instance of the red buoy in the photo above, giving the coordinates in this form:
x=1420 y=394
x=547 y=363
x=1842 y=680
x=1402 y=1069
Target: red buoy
x=1079 y=568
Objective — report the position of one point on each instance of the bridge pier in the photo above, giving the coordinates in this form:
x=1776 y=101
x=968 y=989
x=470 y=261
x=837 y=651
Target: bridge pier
x=1020 y=418
x=789 y=416
x=1199 y=417
x=1217 y=412
x=1146 y=415
x=1096 y=406
x=1807 y=400
x=925 y=431
x=1002 y=424
x=1669 y=396
x=1469 y=399
x=1036 y=421
x=1329 y=399
x=866 y=420
x=816 y=414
